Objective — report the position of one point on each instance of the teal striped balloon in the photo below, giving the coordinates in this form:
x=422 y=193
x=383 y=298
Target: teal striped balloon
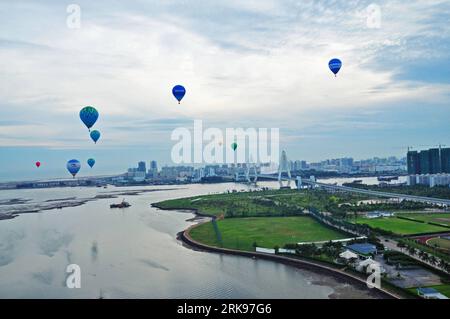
x=88 y=116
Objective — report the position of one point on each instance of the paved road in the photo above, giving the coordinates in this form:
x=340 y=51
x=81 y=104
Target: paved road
x=392 y=245
x=413 y=198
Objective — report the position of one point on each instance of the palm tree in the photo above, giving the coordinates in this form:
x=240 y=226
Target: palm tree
x=433 y=260
x=447 y=267
x=421 y=254
x=401 y=245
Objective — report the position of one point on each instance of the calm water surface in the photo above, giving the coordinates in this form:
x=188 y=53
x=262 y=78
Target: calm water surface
x=133 y=253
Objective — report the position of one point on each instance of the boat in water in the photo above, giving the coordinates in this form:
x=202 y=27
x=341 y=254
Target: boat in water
x=387 y=178
x=123 y=204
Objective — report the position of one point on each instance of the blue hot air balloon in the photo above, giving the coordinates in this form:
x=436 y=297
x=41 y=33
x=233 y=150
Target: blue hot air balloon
x=95 y=135
x=178 y=91
x=91 y=162
x=335 y=65
x=89 y=116
x=73 y=166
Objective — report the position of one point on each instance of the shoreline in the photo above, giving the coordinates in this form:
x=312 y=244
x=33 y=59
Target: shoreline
x=13 y=208
x=310 y=265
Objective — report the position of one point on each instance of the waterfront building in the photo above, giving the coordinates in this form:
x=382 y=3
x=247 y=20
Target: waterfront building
x=445 y=160
x=435 y=161
x=141 y=167
x=348 y=256
x=411 y=180
x=430 y=180
x=363 y=250
x=139 y=176
x=198 y=174
x=439 y=180
x=153 y=170
x=432 y=161
x=424 y=162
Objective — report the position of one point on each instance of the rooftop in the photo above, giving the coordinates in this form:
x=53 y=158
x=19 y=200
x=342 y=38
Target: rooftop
x=427 y=291
x=363 y=249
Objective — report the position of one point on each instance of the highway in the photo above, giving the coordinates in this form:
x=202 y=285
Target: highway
x=413 y=198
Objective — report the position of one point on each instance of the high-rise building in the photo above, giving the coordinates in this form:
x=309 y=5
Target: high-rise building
x=412 y=159
x=435 y=161
x=154 y=165
x=424 y=162
x=141 y=167
x=432 y=161
x=346 y=162
x=445 y=160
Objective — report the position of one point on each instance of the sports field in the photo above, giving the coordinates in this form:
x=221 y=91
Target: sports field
x=400 y=226
x=438 y=218
x=440 y=243
x=268 y=232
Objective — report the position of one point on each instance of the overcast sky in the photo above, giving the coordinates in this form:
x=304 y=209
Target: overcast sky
x=253 y=63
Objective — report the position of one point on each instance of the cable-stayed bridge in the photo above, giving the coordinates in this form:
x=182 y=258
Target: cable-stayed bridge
x=284 y=174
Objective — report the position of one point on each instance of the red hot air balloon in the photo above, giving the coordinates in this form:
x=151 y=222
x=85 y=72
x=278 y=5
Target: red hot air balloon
x=38 y=164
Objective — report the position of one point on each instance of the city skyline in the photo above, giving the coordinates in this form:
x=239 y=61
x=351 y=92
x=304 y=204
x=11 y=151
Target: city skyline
x=366 y=165
x=258 y=65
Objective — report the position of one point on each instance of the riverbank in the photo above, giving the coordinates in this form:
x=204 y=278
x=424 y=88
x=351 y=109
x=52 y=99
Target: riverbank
x=298 y=263
x=12 y=208
x=338 y=274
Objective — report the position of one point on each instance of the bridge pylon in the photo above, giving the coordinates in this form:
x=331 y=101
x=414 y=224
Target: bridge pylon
x=284 y=168
x=251 y=166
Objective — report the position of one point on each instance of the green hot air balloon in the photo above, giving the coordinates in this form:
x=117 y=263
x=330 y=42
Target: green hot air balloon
x=234 y=146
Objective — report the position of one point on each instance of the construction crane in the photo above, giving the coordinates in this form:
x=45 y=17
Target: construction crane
x=409 y=148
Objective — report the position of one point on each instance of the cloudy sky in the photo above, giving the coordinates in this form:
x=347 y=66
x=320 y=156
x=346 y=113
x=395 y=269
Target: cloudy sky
x=253 y=63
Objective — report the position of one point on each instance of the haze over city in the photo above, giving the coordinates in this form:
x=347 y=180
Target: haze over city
x=252 y=64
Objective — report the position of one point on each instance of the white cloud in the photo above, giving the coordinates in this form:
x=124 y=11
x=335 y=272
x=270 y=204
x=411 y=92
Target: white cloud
x=125 y=64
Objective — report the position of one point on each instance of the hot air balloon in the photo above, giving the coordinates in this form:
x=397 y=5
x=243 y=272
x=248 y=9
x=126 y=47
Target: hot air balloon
x=73 y=166
x=95 y=135
x=38 y=164
x=335 y=65
x=91 y=162
x=234 y=146
x=89 y=116
x=178 y=91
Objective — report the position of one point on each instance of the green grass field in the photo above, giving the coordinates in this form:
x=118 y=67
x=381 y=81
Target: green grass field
x=400 y=226
x=241 y=233
x=261 y=203
x=440 y=242
x=443 y=289
x=438 y=218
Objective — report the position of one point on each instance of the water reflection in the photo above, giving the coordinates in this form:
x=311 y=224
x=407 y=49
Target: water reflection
x=133 y=253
